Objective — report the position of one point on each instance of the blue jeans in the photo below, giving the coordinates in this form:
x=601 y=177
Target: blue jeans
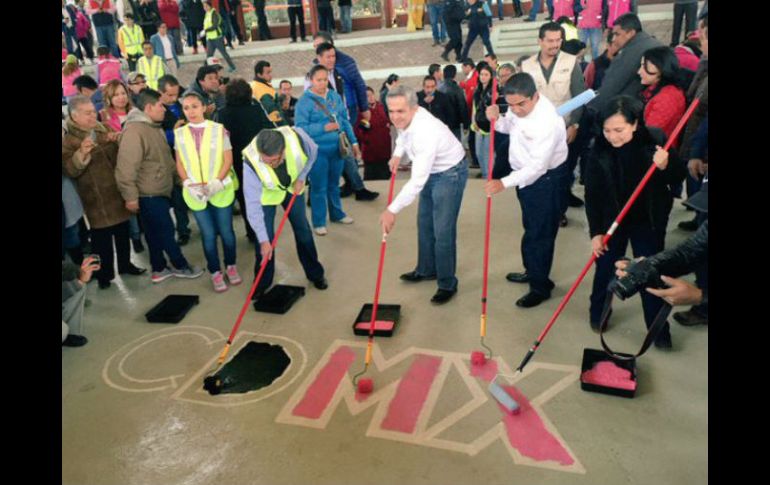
x=351 y=172
x=106 y=37
x=135 y=231
x=482 y=153
x=437 y=214
x=437 y=22
x=180 y=211
x=159 y=233
x=499 y=8
x=594 y=36
x=345 y=18
x=325 y=187
x=212 y=222
x=472 y=34
x=644 y=242
x=303 y=239
x=542 y=205
x=536 y=5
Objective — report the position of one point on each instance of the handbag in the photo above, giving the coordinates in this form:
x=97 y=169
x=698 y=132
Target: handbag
x=345 y=147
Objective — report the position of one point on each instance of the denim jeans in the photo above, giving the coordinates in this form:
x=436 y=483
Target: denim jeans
x=326 y=19
x=218 y=44
x=536 y=5
x=644 y=242
x=437 y=215
x=159 y=233
x=499 y=8
x=216 y=221
x=472 y=34
x=680 y=11
x=134 y=230
x=296 y=16
x=325 y=187
x=303 y=239
x=595 y=37
x=437 y=22
x=482 y=153
x=180 y=211
x=542 y=205
x=106 y=37
x=351 y=174
x=346 y=19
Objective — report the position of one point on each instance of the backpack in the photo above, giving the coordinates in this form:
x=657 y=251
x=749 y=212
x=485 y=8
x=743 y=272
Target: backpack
x=82 y=25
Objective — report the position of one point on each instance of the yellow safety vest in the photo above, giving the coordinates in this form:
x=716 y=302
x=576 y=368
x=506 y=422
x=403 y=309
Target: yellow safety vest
x=208 y=22
x=133 y=39
x=152 y=70
x=199 y=166
x=295 y=158
x=570 y=32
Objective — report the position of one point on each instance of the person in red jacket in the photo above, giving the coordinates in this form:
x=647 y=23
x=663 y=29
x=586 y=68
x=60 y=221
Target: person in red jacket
x=374 y=137
x=663 y=95
x=169 y=14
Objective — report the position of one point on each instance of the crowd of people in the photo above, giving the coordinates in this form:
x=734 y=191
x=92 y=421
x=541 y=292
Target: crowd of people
x=137 y=146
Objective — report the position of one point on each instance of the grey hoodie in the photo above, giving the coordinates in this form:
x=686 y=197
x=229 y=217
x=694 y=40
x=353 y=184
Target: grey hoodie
x=145 y=165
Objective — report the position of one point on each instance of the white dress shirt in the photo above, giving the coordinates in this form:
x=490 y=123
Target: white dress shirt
x=168 y=52
x=431 y=147
x=538 y=143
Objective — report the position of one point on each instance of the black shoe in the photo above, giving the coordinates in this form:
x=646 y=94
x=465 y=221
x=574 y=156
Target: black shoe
x=531 y=299
x=183 y=239
x=689 y=225
x=252 y=238
x=445 y=57
x=104 y=284
x=474 y=165
x=690 y=319
x=345 y=191
x=365 y=194
x=663 y=341
x=240 y=42
x=74 y=341
x=133 y=270
x=596 y=324
x=321 y=284
x=443 y=296
x=517 y=277
x=138 y=247
x=563 y=222
x=414 y=277
x=293 y=41
x=574 y=201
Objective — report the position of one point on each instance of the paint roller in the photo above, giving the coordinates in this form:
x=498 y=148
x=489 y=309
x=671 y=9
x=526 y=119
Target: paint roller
x=366 y=385
x=213 y=383
x=581 y=99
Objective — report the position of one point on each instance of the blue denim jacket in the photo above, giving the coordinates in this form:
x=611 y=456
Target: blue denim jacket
x=311 y=118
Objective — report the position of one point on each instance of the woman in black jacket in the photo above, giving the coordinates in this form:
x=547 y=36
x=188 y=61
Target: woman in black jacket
x=243 y=119
x=480 y=126
x=616 y=165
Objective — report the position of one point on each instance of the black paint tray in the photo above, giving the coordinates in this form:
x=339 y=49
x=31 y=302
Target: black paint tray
x=172 y=309
x=387 y=313
x=279 y=299
x=592 y=357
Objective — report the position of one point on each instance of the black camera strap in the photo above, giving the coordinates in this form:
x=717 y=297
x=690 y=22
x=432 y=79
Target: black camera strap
x=652 y=333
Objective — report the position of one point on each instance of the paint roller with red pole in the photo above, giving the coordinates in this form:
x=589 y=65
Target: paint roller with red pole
x=606 y=238
x=366 y=385
x=212 y=383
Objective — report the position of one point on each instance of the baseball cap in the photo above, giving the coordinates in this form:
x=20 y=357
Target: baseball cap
x=133 y=75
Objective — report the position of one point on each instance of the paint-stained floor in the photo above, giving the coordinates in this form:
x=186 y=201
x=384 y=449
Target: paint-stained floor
x=134 y=411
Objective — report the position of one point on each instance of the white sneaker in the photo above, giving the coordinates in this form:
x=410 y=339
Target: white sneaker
x=345 y=220
x=320 y=231
x=218 y=280
x=232 y=275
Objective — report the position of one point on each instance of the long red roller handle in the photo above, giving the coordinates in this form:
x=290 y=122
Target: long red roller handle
x=487 y=226
x=607 y=237
x=254 y=285
x=383 y=245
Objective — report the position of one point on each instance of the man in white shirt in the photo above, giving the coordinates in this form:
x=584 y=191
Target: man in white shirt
x=439 y=173
x=537 y=151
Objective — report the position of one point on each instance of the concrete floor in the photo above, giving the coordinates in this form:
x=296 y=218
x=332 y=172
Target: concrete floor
x=133 y=411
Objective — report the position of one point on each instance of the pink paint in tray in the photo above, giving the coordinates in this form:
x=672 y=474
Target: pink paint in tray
x=607 y=374
x=384 y=325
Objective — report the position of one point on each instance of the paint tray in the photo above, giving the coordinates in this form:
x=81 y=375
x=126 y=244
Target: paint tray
x=172 y=309
x=387 y=320
x=591 y=357
x=279 y=299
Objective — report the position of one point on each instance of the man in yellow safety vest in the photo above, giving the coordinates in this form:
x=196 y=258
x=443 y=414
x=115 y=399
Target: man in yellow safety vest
x=279 y=161
x=153 y=67
x=130 y=38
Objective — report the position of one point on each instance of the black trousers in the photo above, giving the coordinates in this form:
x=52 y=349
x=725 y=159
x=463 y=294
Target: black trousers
x=264 y=30
x=326 y=19
x=680 y=11
x=296 y=14
x=87 y=44
x=101 y=244
x=455 y=40
x=377 y=171
x=234 y=25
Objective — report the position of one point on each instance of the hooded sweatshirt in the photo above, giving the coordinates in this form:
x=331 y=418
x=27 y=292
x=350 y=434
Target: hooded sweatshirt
x=145 y=165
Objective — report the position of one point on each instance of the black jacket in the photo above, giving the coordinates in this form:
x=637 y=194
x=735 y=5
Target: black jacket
x=439 y=107
x=459 y=113
x=482 y=98
x=454 y=12
x=243 y=122
x=686 y=257
x=607 y=184
x=192 y=13
x=476 y=16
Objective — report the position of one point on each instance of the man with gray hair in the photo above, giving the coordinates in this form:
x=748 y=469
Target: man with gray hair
x=279 y=162
x=439 y=174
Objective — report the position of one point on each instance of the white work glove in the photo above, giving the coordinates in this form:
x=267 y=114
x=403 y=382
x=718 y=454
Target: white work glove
x=215 y=186
x=198 y=192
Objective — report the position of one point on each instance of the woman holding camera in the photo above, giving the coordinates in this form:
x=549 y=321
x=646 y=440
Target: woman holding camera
x=618 y=162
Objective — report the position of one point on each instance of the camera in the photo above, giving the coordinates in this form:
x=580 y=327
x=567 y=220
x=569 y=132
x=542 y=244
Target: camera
x=639 y=274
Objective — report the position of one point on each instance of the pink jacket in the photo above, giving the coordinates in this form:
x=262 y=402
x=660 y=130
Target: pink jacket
x=591 y=15
x=109 y=69
x=66 y=83
x=687 y=58
x=616 y=8
x=82 y=25
x=563 y=8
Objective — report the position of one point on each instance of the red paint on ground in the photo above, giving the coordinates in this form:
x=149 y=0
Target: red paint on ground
x=487 y=371
x=378 y=325
x=607 y=374
x=528 y=434
x=412 y=392
x=321 y=391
